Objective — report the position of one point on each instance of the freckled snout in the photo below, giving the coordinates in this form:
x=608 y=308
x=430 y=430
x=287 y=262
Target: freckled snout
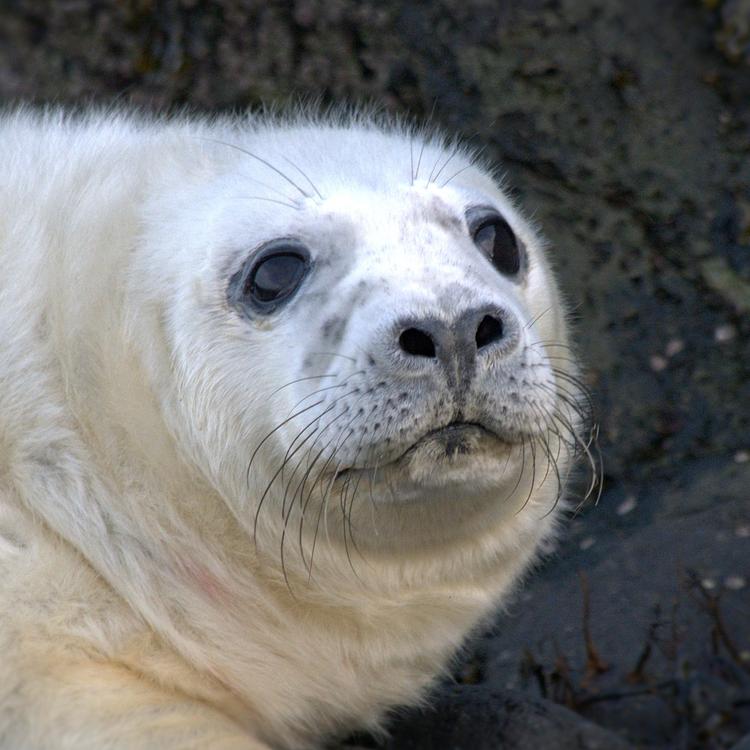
x=457 y=345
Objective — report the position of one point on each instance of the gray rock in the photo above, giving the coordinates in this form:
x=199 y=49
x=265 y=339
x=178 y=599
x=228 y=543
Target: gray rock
x=471 y=718
x=733 y=38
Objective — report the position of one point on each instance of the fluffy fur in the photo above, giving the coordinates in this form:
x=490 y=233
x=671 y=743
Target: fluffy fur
x=147 y=597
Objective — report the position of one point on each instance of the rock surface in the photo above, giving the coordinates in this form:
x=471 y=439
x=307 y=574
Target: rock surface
x=625 y=128
x=480 y=719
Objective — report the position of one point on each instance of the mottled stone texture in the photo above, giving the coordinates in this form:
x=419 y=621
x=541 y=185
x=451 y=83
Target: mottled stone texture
x=625 y=128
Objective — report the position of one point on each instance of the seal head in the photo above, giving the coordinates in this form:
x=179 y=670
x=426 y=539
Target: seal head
x=382 y=339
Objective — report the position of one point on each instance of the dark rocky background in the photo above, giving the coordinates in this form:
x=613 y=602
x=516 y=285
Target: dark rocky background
x=625 y=128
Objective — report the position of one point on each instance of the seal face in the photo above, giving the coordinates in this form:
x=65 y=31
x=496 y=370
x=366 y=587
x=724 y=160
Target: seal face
x=297 y=408
x=413 y=369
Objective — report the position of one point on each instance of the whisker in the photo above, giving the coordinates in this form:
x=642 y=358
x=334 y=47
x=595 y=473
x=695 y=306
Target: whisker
x=348 y=516
x=580 y=387
x=280 y=471
x=532 y=448
x=331 y=387
x=351 y=508
x=551 y=461
x=343 y=413
x=323 y=502
x=371 y=478
x=567 y=398
x=324 y=499
x=453 y=153
x=463 y=169
x=309 y=181
x=300 y=490
x=554 y=344
x=332 y=354
x=456 y=174
x=561 y=358
x=300 y=380
x=304 y=503
x=262 y=161
x=269 y=200
x=538 y=317
x=540 y=421
x=274 y=430
x=411 y=159
x=419 y=160
x=342 y=503
x=520 y=474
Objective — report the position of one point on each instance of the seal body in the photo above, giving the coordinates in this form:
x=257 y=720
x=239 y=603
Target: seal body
x=286 y=409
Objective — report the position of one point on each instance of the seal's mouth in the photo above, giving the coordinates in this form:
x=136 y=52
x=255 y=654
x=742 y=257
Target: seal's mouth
x=450 y=442
x=455 y=438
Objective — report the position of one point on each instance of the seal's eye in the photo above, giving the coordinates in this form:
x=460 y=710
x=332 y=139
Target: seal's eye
x=276 y=277
x=494 y=237
x=271 y=277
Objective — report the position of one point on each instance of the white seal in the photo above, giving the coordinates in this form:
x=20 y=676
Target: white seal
x=286 y=409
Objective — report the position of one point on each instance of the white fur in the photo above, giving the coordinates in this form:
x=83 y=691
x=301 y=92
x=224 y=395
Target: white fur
x=141 y=606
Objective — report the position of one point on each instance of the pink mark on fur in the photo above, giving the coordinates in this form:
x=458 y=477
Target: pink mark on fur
x=206 y=581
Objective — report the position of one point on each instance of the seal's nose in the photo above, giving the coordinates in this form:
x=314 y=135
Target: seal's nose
x=457 y=344
x=427 y=338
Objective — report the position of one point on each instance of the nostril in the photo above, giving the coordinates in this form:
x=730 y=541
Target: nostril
x=417 y=343
x=490 y=330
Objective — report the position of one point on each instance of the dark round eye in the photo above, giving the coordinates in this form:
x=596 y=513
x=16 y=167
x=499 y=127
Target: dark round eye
x=276 y=277
x=270 y=278
x=496 y=240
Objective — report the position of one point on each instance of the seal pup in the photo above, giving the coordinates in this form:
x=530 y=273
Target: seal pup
x=287 y=407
